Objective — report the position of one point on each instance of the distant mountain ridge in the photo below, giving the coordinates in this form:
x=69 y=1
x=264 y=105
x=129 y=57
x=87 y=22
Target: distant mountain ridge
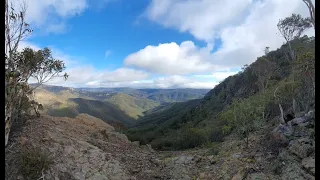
x=132 y=106
x=161 y=96
x=161 y=126
x=122 y=105
x=158 y=95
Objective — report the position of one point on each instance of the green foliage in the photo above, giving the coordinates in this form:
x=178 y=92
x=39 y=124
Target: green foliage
x=33 y=162
x=63 y=112
x=103 y=110
x=305 y=76
x=191 y=137
x=226 y=129
x=292 y=27
x=216 y=134
x=240 y=103
x=246 y=115
x=20 y=66
x=213 y=148
x=163 y=144
x=132 y=106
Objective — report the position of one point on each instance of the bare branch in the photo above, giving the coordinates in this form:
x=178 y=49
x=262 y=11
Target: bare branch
x=311 y=11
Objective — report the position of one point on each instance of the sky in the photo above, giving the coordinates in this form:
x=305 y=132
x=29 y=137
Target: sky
x=156 y=43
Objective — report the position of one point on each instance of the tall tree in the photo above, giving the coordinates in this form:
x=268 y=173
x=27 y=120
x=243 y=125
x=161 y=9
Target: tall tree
x=20 y=66
x=312 y=12
x=291 y=28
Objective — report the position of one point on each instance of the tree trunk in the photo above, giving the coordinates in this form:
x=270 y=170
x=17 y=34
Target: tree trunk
x=294 y=105
x=282 y=114
x=311 y=11
x=291 y=52
x=8 y=118
x=280 y=107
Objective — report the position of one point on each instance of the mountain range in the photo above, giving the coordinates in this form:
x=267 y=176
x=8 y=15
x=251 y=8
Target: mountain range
x=122 y=105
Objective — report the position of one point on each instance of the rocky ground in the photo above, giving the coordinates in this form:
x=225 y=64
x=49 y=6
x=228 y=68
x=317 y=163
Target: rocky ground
x=87 y=148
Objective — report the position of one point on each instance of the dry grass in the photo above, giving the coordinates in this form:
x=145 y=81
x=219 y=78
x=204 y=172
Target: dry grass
x=33 y=163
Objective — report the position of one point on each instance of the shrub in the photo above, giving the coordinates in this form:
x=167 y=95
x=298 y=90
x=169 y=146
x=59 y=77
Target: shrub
x=163 y=144
x=213 y=148
x=216 y=134
x=190 y=138
x=33 y=162
x=226 y=129
x=20 y=66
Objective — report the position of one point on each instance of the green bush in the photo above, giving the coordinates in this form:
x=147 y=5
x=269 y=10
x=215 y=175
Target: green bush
x=163 y=144
x=190 y=138
x=226 y=129
x=213 y=148
x=33 y=162
x=216 y=134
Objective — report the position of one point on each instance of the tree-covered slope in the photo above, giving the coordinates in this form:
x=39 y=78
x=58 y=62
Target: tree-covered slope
x=275 y=70
x=159 y=95
x=66 y=103
x=132 y=106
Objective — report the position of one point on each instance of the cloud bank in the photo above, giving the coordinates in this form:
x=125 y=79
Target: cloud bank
x=244 y=28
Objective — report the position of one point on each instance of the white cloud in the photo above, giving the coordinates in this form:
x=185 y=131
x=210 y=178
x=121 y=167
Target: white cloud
x=90 y=76
x=56 y=28
x=50 y=16
x=218 y=76
x=166 y=82
x=202 y=18
x=172 y=59
x=244 y=43
x=244 y=27
x=177 y=81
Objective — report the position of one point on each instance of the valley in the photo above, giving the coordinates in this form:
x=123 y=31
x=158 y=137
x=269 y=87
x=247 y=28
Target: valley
x=121 y=105
x=180 y=133
x=168 y=90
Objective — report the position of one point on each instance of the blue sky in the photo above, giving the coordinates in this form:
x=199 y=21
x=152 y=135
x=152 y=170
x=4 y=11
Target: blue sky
x=156 y=43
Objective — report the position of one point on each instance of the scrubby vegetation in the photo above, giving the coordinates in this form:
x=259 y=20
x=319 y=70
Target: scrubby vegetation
x=33 y=163
x=274 y=85
x=20 y=66
x=132 y=106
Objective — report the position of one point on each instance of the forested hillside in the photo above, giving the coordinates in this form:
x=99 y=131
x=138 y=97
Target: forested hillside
x=159 y=95
x=256 y=92
x=132 y=106
x=64 y=102
x=133 y=103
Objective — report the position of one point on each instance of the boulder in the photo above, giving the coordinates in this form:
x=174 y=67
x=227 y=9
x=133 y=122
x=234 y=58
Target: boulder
x=302 y=147
x=298 y=120
x=285 y=129
x=183 y=159
x=310 y=114
x=237 y=155
x=309 y=164
x=279 y=138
